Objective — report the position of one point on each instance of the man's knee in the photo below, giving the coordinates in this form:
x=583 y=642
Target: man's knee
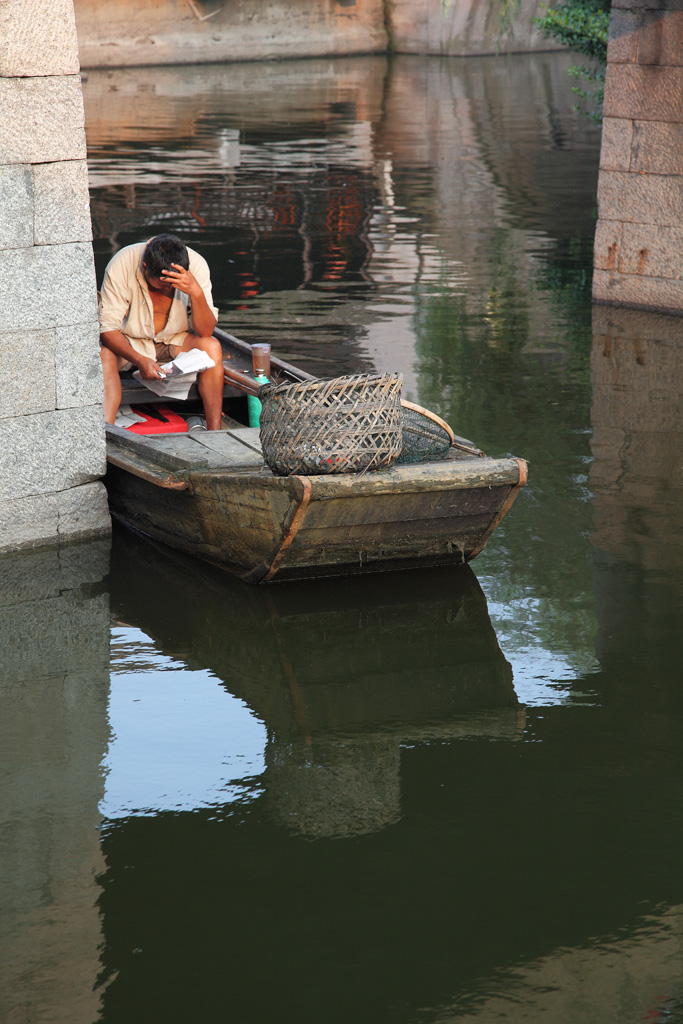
x=212 y=347
x=109 y=359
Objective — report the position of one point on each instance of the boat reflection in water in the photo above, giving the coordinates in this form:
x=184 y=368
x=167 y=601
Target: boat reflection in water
x=342 y=673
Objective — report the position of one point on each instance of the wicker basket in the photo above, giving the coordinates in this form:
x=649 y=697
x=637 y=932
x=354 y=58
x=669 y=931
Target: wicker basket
x=346 y=425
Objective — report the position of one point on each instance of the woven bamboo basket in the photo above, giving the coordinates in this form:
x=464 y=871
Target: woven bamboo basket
x=346 y=425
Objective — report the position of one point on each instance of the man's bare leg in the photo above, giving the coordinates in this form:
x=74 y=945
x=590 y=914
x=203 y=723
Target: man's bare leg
x=210 y=381
x=111 y=364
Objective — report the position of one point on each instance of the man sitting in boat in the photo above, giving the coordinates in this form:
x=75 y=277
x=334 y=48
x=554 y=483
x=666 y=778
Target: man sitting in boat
x=156 y=302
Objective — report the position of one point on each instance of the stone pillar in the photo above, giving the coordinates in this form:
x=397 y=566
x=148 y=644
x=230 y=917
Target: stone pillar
x=52 y=450
x=639 y=237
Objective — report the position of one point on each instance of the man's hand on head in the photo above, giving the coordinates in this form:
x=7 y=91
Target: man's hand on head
x=182 y=279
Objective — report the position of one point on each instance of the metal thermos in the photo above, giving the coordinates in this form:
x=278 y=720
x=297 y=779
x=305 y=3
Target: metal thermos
x=260 y=359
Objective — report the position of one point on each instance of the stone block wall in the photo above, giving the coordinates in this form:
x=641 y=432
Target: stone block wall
x=639 y=237
x=122 y=33
x=52 y=450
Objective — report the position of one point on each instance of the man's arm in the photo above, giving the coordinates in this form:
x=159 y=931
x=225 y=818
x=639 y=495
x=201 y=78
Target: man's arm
x=115 y=300
x=203 y=317
x=119 y=344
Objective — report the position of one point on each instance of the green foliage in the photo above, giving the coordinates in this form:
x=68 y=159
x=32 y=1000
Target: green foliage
x=594 y=96
x=582 y=26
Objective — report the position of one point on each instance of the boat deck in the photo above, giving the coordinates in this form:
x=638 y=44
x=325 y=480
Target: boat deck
x=233 y=449
x=237 y=449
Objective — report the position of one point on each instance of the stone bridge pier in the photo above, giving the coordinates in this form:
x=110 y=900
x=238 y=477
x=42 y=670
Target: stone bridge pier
x=639 y=239
x=52 y=451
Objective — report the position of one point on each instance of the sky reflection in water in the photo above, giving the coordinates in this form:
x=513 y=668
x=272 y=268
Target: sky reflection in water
x=179 y=740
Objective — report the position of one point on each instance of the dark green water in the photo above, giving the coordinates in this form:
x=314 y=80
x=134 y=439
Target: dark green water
x=428 y=797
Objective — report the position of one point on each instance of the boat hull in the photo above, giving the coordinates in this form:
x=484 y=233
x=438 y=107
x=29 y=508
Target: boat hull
x=265 y=528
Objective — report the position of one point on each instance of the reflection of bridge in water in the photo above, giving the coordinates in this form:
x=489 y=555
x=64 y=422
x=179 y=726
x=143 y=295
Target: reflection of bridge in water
x=321 y=228
x=54 y=689
x=303 y=176
x=317 y=206
x=336 y=201
x=637 y=479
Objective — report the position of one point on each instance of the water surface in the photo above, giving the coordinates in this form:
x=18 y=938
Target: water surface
x=427 y=797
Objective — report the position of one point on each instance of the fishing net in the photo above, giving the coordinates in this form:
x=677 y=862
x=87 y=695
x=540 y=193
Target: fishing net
x=426 y=437
x=345 y=425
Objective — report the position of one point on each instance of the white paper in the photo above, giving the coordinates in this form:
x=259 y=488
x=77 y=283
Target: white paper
x=193 y=361
x=182 y=373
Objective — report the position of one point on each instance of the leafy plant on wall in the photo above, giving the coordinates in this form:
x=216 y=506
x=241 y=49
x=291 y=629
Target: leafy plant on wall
x=582 y=26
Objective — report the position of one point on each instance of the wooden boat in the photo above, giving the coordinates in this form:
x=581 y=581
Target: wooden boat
x=210 y=494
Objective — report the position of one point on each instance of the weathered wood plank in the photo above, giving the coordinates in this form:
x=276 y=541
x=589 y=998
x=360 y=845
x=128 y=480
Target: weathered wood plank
x=146 y=446
x=128 y=460
x=230 y=423
x=249 y=436
x=233 y=452
x=419 y=479
x=205 y=524
x=186 y=447
x=247 y=498
x=405 y=508
x=333 y=545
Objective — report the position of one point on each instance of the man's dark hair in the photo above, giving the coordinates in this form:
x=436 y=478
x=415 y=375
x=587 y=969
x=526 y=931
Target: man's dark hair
x=161 y=251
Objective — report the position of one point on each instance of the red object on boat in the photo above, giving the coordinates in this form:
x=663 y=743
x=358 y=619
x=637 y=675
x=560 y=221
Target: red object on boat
x=159 y=419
